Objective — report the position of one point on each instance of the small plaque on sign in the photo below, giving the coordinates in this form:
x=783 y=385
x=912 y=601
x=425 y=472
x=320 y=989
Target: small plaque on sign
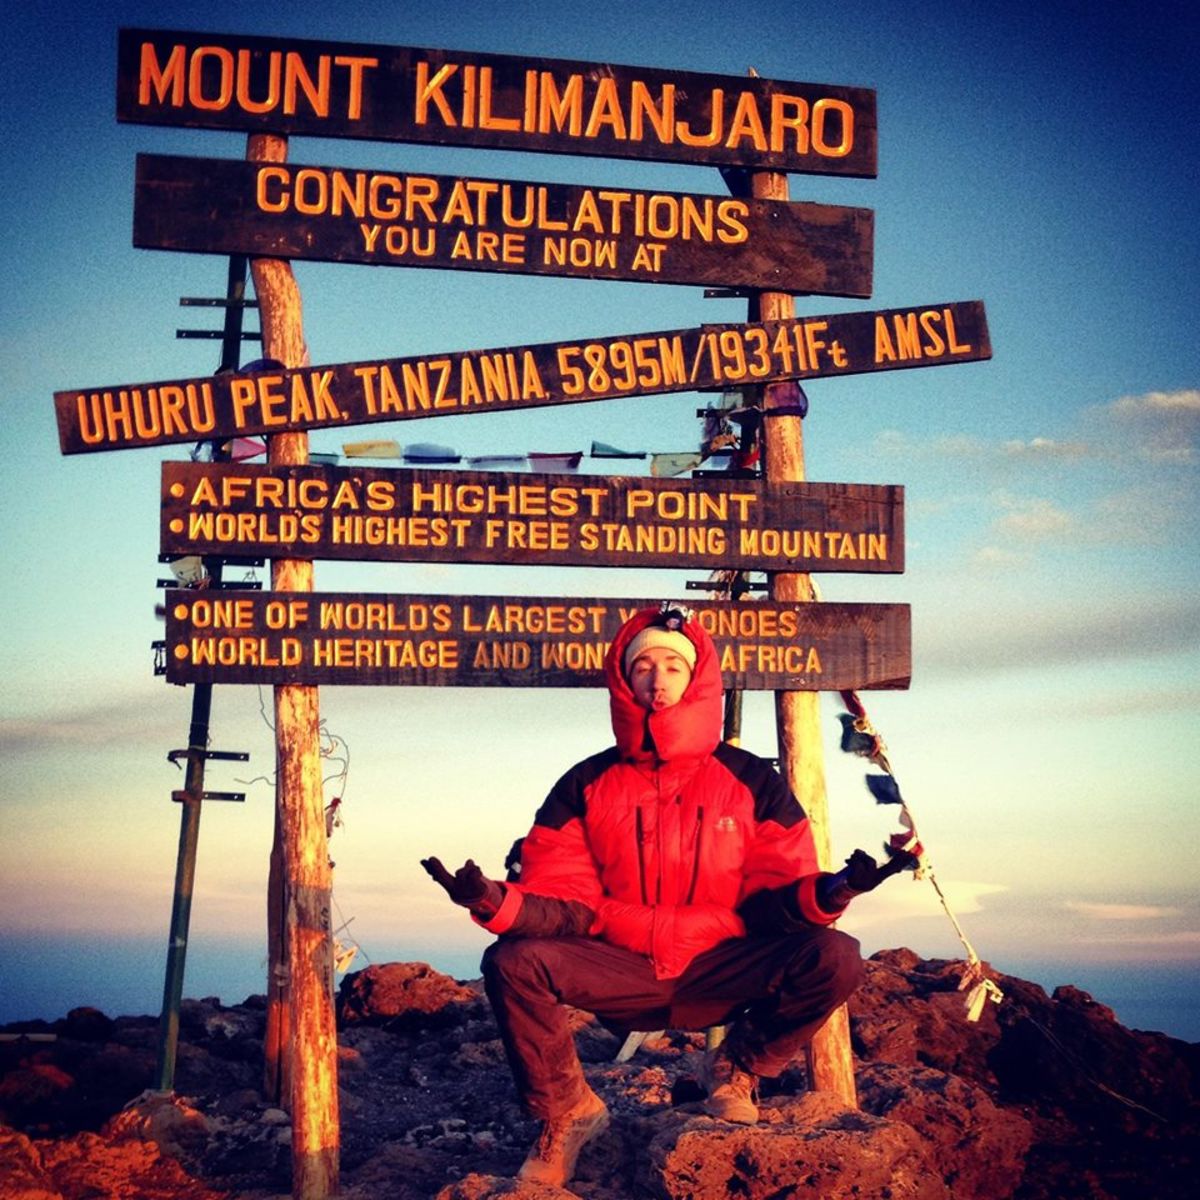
x=515 y=641
x=394 y=219
x=121 y=416
x=496 y=101
x=395 y=515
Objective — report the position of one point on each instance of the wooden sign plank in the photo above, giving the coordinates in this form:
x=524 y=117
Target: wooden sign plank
x=515 y=641
x=386 y=218
x=395 y=515
x=123 y=416
x=458 y=98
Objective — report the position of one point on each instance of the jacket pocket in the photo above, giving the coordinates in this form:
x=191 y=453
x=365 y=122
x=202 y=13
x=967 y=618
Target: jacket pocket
x=725 y=855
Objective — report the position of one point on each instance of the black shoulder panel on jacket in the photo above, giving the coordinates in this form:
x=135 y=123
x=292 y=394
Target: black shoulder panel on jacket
x=772 y=799
x=566 y=799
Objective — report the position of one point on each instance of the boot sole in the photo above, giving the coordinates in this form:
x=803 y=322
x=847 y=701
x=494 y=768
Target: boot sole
x=737 y=1114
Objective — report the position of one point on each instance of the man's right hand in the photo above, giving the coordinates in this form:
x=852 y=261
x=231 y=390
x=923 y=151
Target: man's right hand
x=468 y=886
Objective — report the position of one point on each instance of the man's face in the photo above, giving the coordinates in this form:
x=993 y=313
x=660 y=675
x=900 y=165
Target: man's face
x=658 y=678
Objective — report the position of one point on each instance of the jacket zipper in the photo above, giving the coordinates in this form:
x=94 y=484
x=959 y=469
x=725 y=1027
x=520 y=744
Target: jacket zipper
x=639 y=831
x=658 y=840
x=696 y=860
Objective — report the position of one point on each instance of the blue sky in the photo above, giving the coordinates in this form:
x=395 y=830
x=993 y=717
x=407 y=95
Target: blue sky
x=1038 y=157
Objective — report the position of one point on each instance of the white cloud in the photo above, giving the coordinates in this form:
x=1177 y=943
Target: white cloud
x=1135 y=626
x=124 y=722
x=1046 y=448
x=907 y=898
x=891 y=441
x=1146 y=514
x=1166 y=947
x=1156 y=427
x=967 y=447
x=1185 y=402
x=901 y=445
x=1163 y=427
x=959 y=445
x=1122 y=702
x=1143 y=515
x=1121 y=912
x=996 y=558
x=1168 y=455
x=1033 y=518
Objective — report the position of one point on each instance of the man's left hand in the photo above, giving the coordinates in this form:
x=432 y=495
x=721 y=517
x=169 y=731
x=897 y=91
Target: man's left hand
x=860 y=874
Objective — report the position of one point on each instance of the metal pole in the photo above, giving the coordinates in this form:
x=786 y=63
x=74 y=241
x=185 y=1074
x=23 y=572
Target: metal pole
x=235 y=290
x=185 y=875
x=193 y=787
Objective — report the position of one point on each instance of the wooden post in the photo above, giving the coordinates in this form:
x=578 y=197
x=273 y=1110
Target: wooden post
x=277 y=1076
x=797 y=714
x=299 y=798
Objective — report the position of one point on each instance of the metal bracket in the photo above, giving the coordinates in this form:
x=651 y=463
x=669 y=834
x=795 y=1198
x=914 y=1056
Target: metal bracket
x=702 y=585
x=229 y=562
x=182 y=797
x=226 y=755
x=214 y=335
x=213 y=585
x=215 y=302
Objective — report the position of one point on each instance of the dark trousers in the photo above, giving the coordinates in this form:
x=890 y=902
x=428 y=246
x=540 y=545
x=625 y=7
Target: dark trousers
x=775 y=992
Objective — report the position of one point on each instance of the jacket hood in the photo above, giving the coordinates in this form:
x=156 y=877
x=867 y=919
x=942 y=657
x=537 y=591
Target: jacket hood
x=688 y=729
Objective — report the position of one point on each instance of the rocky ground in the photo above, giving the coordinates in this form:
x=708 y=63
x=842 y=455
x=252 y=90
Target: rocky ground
x=1045 y=1098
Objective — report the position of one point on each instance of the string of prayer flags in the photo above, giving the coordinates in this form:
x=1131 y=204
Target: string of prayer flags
x=427 y=452
x=668 y=465
x=716 y=429
x=722 y=452
x=496 y=461
x=549 y=463
x=604 y=450
x=188 y=570
x=376 y=448
x=786 y=398
x=240 y=449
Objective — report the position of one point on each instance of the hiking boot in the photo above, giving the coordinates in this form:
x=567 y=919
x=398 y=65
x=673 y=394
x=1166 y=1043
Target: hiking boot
x=552 y=1158
x=731 y=1090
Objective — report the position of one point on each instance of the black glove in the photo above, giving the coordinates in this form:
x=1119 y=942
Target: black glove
x=468 y=886
x=860 y=874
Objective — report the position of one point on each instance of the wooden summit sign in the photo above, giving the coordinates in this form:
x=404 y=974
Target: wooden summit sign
x=386 y=218
x=448 y=97
x=120 y=416
x=507 y=641
x=548 y=520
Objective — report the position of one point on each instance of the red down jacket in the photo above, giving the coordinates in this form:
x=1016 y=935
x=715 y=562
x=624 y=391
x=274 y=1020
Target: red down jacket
x=670 y=841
